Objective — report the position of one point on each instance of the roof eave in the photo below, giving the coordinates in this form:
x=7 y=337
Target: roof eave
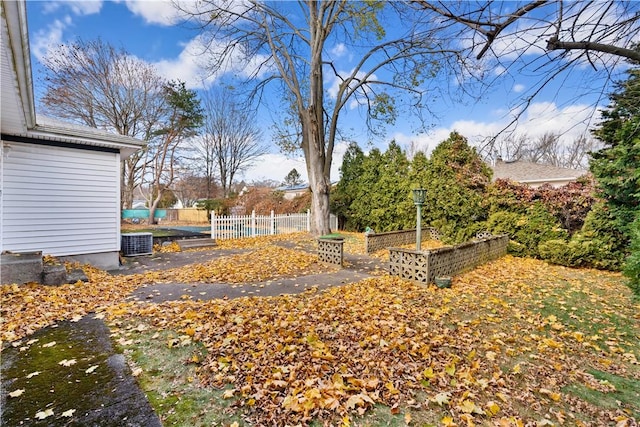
x=543 y=180
x=15 y=12
x=125 y=144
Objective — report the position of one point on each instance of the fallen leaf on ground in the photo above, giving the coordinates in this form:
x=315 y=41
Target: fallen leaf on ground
x=16 y=393
x=44 y=414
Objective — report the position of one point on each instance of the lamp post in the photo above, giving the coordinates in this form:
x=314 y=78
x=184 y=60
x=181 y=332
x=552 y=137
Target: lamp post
x=419 y=195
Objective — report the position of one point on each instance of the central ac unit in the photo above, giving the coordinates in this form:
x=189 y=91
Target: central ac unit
x=137 y=244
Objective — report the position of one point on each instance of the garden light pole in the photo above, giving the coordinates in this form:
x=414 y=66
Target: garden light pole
x=419 y=195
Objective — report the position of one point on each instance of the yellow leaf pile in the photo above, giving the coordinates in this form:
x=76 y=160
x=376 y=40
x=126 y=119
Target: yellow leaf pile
x=498 y=348
x=24 y=309
x=261 y=241
x=480 y=350
x=171 y=247
x=27 y=308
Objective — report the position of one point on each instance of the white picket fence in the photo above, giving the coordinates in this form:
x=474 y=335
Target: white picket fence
x=239 y=226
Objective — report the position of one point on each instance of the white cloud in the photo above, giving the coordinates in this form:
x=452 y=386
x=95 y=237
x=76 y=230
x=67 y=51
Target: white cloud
x=499 y=70
x=339 y=50
x=46 y=40
x=185 y=66
x=52 y=37
x=517 y=88
x=359 y=96
x=276 y=166
x=161 y=12
x=190 y=65
x=86 y=7
x=570 y=122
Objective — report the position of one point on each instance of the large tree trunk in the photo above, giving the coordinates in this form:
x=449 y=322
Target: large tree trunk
x=319 y=180
x=317 y=155
x=320 y=186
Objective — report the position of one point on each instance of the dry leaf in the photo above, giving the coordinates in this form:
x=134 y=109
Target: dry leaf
x=16 y=393
x=552 y=395
x=407 y=418
x=44 y=414
x=442 y=398
x=69 y=413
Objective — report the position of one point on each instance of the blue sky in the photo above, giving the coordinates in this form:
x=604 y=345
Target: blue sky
x=147 y=29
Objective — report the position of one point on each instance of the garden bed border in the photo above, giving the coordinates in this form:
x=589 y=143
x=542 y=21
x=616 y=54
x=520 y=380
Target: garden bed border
x=425 y=266
x=375 y=241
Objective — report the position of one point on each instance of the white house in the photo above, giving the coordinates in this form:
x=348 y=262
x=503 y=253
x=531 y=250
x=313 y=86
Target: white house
x=59 y=183
x=293 y=191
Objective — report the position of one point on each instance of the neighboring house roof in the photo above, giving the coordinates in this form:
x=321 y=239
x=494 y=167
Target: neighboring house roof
x=19 y=121
x=139 y=204
x=293 y=188
x=534 y=173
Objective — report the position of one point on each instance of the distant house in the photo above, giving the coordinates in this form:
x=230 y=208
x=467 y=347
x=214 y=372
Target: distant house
x=293 y=191
x=139 y=204
x=535 y=174
x=59 y=183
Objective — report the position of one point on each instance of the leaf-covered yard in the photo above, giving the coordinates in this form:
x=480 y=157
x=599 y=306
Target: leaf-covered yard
x=514 y=342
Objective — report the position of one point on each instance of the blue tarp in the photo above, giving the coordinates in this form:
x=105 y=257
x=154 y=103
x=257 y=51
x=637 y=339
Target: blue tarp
x=142 y=213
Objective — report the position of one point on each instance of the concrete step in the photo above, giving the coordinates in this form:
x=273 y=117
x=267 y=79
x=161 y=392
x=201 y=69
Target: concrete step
x=195 y=243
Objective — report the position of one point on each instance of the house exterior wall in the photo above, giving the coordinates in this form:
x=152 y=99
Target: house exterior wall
x=556 y=183
x=290 y=195
x=61 y=201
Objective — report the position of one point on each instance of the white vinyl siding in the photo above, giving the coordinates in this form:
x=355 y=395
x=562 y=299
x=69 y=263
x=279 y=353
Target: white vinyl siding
x=61 y=201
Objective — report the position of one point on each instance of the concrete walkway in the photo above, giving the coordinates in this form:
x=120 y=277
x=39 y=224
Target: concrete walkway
x=356 y=268
x=206 y=291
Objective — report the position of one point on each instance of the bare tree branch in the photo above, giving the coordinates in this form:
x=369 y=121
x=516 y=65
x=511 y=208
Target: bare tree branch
x=232 y=140
x=95 y=84
x=555 y=44
x=290 y=41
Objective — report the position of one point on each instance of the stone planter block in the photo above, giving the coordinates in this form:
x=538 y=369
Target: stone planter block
x=21 y=267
